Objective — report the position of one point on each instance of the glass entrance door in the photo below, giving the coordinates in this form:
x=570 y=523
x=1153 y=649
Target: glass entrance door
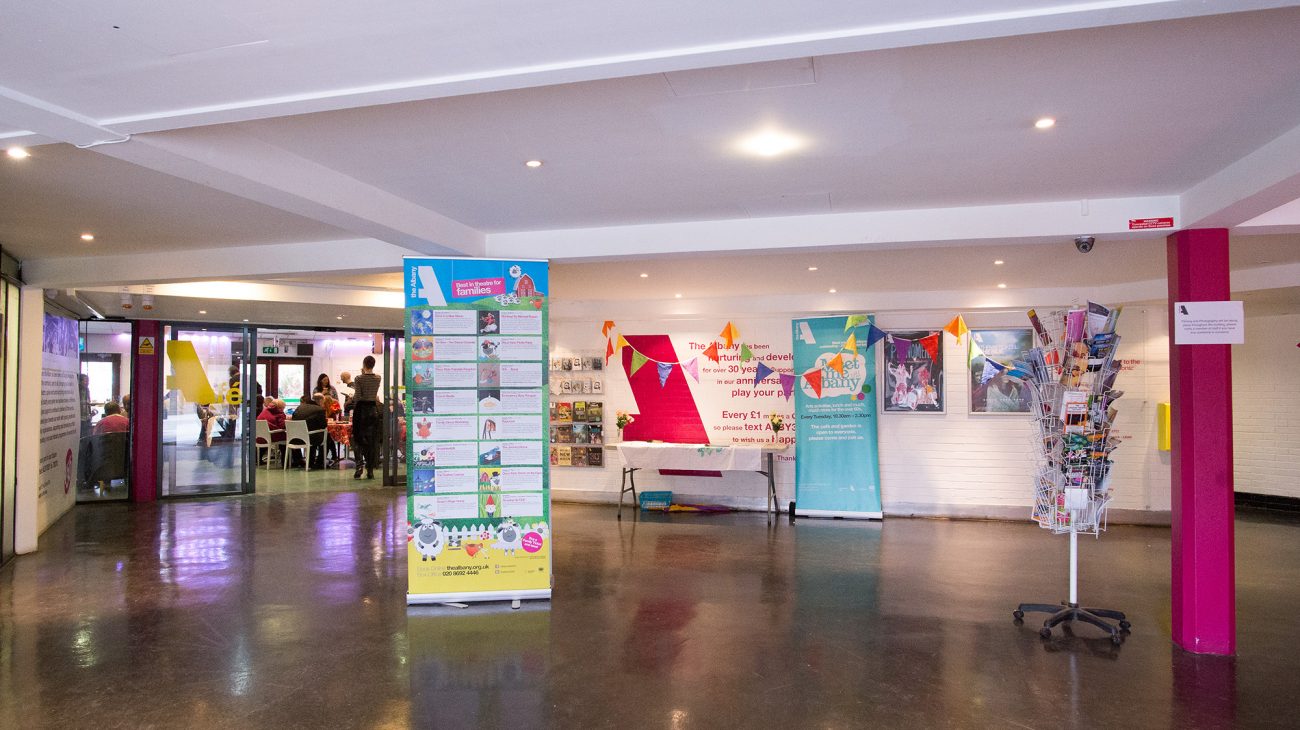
x=394 y=444
x=206 y=421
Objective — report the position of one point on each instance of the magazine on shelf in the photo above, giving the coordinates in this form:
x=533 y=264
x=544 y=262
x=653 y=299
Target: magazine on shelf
x=596 y=433
x=563 y=411
x=580 y=434
x=595 y=412
x=597 y=387
x=564 y=434
x=595 y=457
x=563 y=455
x=579 y=456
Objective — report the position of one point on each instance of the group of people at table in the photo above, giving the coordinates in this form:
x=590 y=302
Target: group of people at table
x=360 y=399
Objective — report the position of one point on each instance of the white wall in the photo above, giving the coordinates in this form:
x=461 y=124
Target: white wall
x=955 y=463
x=1265 y=404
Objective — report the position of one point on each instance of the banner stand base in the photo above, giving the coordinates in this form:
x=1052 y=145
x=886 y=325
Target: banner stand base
x=834 y=514
x=426 y=599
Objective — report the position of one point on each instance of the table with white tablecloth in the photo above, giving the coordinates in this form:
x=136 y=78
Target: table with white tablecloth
x=637 y=455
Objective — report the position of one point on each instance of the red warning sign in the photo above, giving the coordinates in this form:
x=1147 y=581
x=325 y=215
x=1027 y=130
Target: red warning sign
x=1141 y=224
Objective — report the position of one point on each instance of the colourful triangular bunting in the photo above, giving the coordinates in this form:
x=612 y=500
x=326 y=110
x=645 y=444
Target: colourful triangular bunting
x=762 y=372
x=837 y=363
x=637 y=361
x=609 y=325
x=901 y=346
x=957 y=327
x=745 y=354
x=692 y=367
x=814 y=380
x=729 y=334
x=621 y=343
x=853 y=320
x=665 y=369
x=931 y=345
x=874 y=335
x=712 y=351
x=852 y=343
x=787 y=384
x=609 y=350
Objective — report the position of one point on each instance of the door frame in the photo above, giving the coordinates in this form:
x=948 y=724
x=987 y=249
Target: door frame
x=394 y=407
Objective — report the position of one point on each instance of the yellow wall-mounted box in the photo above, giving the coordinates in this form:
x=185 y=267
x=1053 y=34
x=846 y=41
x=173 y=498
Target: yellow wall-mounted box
x=1164 y=425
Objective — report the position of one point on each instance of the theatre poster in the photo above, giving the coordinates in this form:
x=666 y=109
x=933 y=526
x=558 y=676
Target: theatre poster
x=478 y=481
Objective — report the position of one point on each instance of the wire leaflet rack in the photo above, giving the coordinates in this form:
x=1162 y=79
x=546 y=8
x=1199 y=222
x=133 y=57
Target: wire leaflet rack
x=1070 y=376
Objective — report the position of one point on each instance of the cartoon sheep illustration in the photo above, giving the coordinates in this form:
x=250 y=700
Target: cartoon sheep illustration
x=509 y=537
x=429 y=539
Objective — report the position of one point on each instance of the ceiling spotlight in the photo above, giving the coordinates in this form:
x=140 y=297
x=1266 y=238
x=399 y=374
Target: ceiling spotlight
x=770 y=143
x=832 y=291
x=18 y=153
x=1045 y=123
x=533 y=164
x=339 y=317
x=643 y=276
x=126 y=300
x=999 y=262
x=87 y=236
x=146 y=302
x=203 y=311
x=679 y=296
x=1002 y=286
x=812 y=268
x=245 y=320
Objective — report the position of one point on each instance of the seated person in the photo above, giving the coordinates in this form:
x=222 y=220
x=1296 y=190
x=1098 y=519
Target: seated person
x=313 y=413
x=113 y=420
x=273 y=414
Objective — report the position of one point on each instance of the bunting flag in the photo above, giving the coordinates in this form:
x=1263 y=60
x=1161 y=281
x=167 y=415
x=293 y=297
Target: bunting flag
x=712 y=352
x=991 y=369
x=692 y=367
x=931 y=345
x=837 y=363
x=787 y=384
x=852 y=343
x=637 y=361
x=762 y=372
x=745 y=354
x=814 y=379
x=901 y=346
x=665 y=369
x=874 y=335
x=621 y=343
x=853 y=320
x=957 y=327
x=609 y=325
x=729 y=334
x=609 y=350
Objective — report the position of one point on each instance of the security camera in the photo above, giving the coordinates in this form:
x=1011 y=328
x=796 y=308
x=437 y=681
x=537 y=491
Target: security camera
x=1084 y=243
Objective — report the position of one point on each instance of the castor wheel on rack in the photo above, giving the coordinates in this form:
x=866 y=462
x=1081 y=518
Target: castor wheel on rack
x=1125 y=625
x=792 y=512
x=1045 y=632
x=1116 y=639
x=1018 y=615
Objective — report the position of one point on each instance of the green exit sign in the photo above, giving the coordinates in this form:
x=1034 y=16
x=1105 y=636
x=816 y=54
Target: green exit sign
x=270 y=350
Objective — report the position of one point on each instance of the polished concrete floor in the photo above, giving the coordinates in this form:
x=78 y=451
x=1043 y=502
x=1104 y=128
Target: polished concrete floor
x=288 y=611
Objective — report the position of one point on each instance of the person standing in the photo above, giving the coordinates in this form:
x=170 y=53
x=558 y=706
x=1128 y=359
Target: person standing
x=345 y=393
x=365 y=417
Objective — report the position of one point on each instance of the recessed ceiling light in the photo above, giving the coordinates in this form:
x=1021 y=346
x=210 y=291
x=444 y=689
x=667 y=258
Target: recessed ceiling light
x=832 y=291
x=679 y=296
x=770 y=143
x=643 y=276
x=339 y=317
x=203 y=311
x=1045 y=123
x=18 y=153
x=87 y=236
x=245 y=320
x=1002 y=286
x=812 y=268
x=999 y=262
x=533 y=164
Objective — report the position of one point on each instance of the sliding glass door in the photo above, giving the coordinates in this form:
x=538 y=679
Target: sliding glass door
x=207 y=414
x=394 y=443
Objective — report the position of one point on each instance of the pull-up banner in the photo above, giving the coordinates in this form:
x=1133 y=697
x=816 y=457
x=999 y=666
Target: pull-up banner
x=478 y=501
x=837 y=473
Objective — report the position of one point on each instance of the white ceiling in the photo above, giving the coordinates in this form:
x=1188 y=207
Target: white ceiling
x=393 y=128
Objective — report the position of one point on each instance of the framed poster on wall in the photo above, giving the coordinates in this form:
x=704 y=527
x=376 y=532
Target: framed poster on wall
x=914 y=372
x=990 y=356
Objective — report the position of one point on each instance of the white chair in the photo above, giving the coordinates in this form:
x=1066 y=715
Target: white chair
x=299 y=438
x=265 y=441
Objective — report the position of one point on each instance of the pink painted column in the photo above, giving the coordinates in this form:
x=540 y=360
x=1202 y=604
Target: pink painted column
x=1200 y=384
x=146 y=417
